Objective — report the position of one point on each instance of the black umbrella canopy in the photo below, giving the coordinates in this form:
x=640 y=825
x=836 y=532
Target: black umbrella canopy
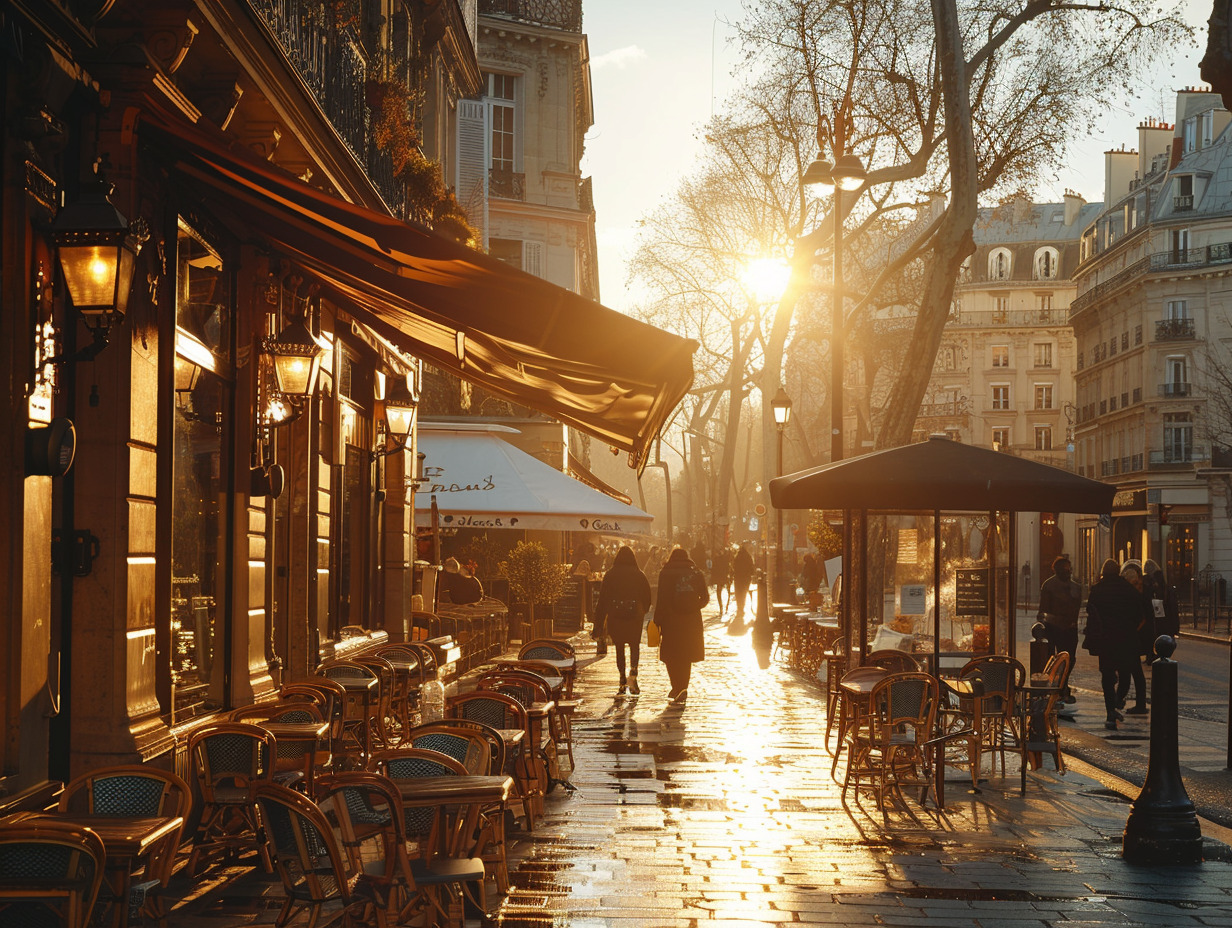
x=941 y=474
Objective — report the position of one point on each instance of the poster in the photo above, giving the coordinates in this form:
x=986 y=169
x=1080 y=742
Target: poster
x=912 y=599
x=834 y=567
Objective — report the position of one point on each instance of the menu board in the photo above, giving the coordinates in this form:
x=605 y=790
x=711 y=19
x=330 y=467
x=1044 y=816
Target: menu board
x=971 y=591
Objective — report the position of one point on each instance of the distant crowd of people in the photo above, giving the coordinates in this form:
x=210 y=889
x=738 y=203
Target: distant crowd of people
x=1128 y=607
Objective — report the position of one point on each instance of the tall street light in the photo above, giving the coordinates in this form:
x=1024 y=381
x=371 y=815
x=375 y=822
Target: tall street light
x=847 y=173
x=781 y=404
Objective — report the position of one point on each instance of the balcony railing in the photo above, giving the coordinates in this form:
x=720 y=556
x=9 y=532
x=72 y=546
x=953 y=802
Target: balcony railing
x=330 y=62
x=1024 y=317
x=1169 y=330
x=558 y=14
x=1174 y=388
x=1191 y=258
x=509 y=185
x=1184 y=456
x=1180 y=204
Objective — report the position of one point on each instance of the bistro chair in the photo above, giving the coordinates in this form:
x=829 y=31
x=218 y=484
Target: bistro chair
x=501 y=712
x=298 y=758
x=423 y=825
x=232 y=760
x=529 y=688
x=889 y=747
x=386 y=715
x=135 y=791
x=893 y=660
x=50 y=873
x=1039 y=723
x=370 y=814
x=836 y=665
x=469 y=748
x=405 y=698
x=552 y=649
x=361 y=706
x=1001 y=677
x=331 y=699
x=308 y=860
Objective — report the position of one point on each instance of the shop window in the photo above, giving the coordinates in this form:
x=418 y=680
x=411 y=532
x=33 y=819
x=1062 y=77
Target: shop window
x=201 y=478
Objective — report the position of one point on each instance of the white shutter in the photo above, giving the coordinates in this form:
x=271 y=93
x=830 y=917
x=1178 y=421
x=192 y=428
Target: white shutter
x=472 y=175
x=532 y=258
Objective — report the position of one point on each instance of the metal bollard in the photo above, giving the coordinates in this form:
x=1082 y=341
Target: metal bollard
x=1162 y=827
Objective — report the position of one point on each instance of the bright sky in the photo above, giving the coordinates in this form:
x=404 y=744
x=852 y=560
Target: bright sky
x=654 y=65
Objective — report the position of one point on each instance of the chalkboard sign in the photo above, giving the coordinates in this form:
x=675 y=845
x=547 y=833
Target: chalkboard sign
x=971 y=591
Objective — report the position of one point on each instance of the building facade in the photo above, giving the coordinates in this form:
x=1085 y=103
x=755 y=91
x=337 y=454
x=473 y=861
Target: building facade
x=1004 y=375
x=1152 y=329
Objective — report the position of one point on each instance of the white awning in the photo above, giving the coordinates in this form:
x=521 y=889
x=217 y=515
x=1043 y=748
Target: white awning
x=480 y=481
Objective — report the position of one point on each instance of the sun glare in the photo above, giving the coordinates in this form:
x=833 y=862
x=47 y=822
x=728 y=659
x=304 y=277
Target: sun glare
x=767 y=278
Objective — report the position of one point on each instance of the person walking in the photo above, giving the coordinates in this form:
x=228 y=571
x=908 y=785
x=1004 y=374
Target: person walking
x=1163 y=604
x=1144 y=634
x=1114 y=611
x=624 y=600
x=720 y=577
x=1059 y=605
x=681 y=594
x=742 y=576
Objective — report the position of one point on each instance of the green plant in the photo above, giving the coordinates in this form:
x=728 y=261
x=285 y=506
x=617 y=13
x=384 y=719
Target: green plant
x=532 y=575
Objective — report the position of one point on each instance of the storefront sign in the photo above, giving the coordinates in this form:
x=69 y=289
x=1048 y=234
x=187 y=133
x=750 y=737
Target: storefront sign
x=971 y=591
x=1129 y=499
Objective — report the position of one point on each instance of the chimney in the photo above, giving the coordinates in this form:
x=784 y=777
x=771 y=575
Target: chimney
x=1154 y=137
x=1023 y=208
x=1073 y=206
x=1119 y=167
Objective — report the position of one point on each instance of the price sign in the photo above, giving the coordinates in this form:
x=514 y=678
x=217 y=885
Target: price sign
x=971 y=591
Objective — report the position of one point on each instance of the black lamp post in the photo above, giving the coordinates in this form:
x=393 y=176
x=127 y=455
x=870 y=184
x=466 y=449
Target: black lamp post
x=847 y=173
x=781 y=405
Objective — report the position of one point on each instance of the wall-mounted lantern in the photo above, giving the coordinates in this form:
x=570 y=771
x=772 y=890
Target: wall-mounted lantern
x=97 y=250
x=401 y=403
x=296 y=358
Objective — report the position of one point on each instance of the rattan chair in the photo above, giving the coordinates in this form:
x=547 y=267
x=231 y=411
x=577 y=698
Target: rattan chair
x=888 y=749
x=500 y=711
x=50 y=874
x=231 y=761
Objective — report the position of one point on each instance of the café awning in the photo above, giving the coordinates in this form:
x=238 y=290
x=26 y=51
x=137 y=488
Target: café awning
x=941 y=474
x=481 y=481
x=514 y=334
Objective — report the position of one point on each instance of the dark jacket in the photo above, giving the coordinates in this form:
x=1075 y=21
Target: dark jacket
x=1155 y=588
x=742 y=569
x=678 y=610
x=1060 y=601
x=721 y=566
x=1114 y=611
x=624 y=599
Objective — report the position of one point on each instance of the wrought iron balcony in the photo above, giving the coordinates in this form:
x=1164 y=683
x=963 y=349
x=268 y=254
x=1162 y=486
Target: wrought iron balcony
x=1169 y=330
x=558 y=14
x=509 y=185
x=1175 y=388
x=1178 y=456
x=1180 y=204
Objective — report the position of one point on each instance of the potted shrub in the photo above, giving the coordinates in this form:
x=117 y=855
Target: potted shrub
x=533 y=577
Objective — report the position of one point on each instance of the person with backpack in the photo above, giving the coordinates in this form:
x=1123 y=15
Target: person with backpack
x=624 y=599
x=682 y=593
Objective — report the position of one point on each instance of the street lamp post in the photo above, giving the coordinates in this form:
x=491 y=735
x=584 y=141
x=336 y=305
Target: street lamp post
x=847 y=173
x=781 y=405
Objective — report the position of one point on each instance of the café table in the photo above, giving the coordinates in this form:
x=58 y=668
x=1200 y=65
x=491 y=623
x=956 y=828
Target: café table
x=130 y=843
x=855 y=690
x=304 y=738
x=365 y=690
x=466 y=794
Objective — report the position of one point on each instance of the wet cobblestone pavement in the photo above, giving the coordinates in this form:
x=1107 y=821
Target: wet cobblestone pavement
x=723 y=813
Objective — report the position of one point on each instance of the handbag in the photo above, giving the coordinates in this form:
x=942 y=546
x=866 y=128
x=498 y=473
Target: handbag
x=653 y=635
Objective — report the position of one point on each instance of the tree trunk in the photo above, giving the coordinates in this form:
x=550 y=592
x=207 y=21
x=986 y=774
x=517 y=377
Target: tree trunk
x=953 y=241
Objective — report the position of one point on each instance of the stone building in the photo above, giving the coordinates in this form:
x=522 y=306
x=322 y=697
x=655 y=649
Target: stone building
x=1151 y=321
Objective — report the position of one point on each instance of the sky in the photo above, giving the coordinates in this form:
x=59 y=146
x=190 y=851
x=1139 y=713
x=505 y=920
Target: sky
x=660 y=68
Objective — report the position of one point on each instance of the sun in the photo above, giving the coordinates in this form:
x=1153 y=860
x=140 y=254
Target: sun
x=767 y=278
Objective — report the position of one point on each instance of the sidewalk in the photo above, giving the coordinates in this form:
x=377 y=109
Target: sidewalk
x=723 y=813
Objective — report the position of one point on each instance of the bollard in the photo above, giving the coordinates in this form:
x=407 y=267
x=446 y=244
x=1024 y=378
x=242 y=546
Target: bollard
x=1162 y=827
x=763 y=629
x=1041 y=649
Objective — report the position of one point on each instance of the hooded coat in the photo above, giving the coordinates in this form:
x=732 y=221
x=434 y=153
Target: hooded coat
x=682 y=593
x=623 y=584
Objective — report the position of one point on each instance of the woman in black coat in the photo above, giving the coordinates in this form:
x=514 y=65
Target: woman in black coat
x=624 y=599
x=1114 y=611
x=678 y=612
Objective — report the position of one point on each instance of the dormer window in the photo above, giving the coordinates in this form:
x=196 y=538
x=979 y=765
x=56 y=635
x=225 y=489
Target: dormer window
x=1183 y=192
x=999 y=263
x=1047 y=263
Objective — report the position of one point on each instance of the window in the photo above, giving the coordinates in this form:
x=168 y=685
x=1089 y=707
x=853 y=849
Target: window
x=1000 y=308
x=999 y=264
x=1043 y=396
x=1001 y=396
x=507 y=250
x=1047 y=263
x=1177 y=309
x=1189 y=134
x=1138 y=334
x=1180 y=246
x=946 y=358
x=1043 y=354
x=1000 y=439
x=1112 y=345
x=502 y=89
x=1183 y=193
x=1044 y=304
x=1178 y=437
x=201 y=518
x=1000 y=355
x=1043 y=438
x=1124 y=341
x=1176 y=372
